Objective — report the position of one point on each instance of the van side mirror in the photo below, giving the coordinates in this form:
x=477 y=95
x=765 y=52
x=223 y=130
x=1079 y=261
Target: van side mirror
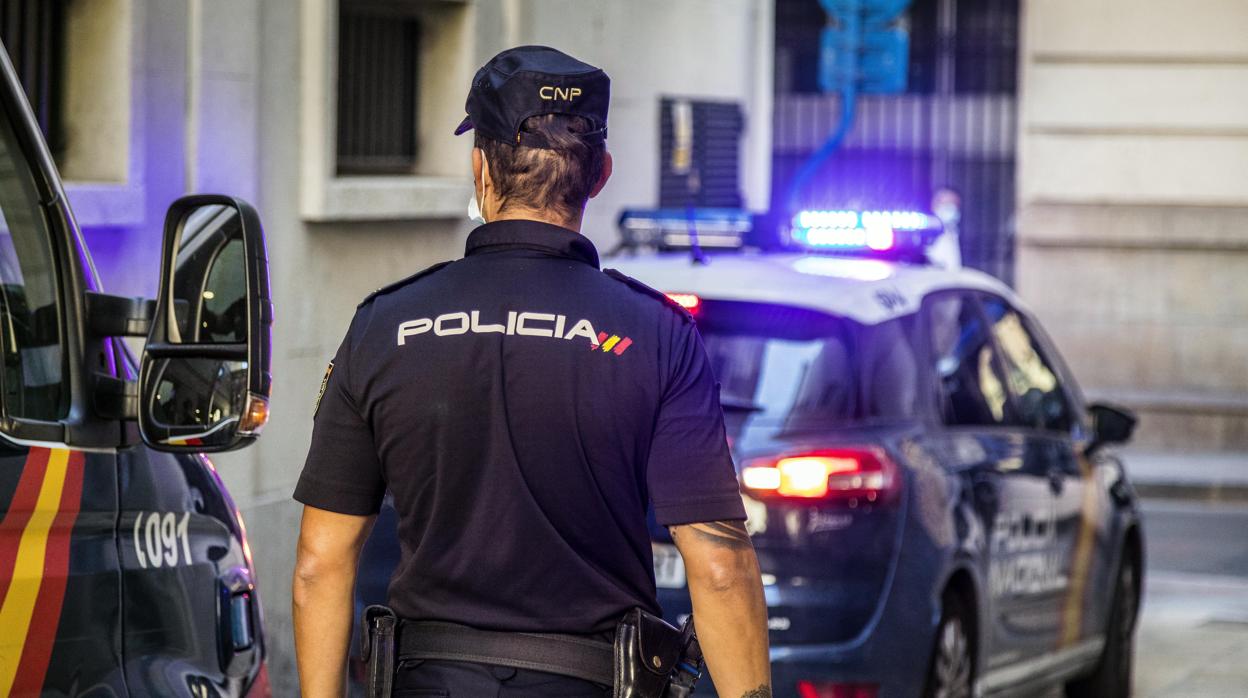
x=204 y=379
x=1110 y=425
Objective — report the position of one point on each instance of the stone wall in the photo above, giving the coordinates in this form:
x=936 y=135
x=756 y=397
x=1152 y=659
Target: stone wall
x=1133 y=206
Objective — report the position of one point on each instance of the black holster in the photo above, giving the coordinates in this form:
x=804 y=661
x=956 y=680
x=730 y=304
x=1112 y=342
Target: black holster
x=653 y=659
x=650 y=658
x=378 y=639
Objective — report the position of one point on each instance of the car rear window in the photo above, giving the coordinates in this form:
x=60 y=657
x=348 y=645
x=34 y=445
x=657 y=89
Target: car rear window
x=798 y=369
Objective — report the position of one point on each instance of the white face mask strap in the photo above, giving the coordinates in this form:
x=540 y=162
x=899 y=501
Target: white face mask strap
x=474 y=206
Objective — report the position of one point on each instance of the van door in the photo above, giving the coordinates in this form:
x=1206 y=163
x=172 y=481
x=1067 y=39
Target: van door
x=59 y=572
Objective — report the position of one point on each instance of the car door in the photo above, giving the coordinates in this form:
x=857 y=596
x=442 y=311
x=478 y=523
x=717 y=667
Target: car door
x=59 y=572
x=1076 y=547
x=1008 y=485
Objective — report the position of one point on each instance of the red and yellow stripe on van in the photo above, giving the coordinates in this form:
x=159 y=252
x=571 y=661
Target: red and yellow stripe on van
x=34 y=565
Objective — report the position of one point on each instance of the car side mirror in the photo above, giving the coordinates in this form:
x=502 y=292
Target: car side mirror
x=204 y=379
x=1110 y=425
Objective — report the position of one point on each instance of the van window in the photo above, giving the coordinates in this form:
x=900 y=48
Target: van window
x=30 y=313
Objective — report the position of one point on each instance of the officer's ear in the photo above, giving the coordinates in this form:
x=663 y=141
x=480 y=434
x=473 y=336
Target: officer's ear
x=480 y=168
x=606 y=174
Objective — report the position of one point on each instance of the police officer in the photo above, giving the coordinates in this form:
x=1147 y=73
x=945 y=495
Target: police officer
x=525 y=409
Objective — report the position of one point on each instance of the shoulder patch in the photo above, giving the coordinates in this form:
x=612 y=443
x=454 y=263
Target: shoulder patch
x=316 y=407
x=402 y=282
x=642 y=288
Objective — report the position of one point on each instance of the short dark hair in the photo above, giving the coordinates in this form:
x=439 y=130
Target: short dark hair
x=560 y=177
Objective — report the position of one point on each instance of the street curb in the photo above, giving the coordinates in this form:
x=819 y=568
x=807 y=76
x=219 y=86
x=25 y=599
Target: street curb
x=1205 y=492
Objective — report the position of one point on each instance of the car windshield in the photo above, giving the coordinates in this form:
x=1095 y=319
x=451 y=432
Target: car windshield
x=794 y=369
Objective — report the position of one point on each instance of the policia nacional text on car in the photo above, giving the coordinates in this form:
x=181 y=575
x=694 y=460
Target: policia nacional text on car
x=525 y=409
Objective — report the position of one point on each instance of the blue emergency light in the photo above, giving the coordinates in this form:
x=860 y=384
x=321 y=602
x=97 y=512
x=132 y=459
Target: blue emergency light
x=897 y=220
x=863 y=232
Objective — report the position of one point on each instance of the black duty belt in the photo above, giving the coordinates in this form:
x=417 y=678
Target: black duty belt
x=566 y=655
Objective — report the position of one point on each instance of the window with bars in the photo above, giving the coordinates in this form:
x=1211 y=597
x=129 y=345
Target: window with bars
x=986 y=47
x=983 y=42
x=378 y=79
x=33 y=31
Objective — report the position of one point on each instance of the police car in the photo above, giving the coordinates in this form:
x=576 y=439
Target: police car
x=124 y=566
x=935 y=507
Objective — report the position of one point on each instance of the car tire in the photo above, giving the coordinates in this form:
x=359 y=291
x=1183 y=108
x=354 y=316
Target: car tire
x=951 y=671
x=1112 y=676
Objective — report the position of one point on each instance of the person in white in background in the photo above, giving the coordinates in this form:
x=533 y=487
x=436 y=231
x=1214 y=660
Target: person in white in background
x=946 y=251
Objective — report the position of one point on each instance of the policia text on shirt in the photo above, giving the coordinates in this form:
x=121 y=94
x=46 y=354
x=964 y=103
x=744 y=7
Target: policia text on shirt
x=526 y=410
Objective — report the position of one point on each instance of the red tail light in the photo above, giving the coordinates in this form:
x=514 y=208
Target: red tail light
x=812 y=689
x=837 y=474
x=688 y=301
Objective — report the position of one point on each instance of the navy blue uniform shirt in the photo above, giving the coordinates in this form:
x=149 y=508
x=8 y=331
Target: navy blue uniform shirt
x=525 y=409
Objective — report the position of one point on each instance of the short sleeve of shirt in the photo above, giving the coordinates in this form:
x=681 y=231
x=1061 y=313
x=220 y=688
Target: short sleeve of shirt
x=342 y=472
x=690 y=473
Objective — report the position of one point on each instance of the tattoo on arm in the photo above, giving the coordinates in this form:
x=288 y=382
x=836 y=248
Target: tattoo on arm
x=727 y=534
x=763 y=691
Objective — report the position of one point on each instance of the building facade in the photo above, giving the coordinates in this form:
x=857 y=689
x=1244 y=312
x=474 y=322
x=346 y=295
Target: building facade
x=1133 y=207
x=334 y=117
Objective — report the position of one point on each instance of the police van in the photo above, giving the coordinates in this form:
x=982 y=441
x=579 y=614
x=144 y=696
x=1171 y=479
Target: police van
x=937 y=511
x=124 y=566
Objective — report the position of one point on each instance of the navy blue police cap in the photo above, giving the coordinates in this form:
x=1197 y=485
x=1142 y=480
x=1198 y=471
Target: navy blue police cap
x=531 y=81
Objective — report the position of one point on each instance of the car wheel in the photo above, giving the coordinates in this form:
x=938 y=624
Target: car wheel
x=952 y=669
x=1112 y=676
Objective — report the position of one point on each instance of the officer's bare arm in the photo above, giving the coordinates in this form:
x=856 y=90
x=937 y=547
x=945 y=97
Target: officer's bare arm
x=728 y=605
x=329 y=550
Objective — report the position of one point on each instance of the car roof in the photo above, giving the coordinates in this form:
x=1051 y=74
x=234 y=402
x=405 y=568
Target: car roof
x=869 y=291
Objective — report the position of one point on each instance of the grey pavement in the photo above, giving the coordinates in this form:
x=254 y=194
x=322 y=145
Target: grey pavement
x=1193 y=636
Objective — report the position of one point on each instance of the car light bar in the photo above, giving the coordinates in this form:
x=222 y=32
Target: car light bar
x=897 y=220
x=877 y=238
x=841 y=474
x=838 y=230
x=667 y=229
